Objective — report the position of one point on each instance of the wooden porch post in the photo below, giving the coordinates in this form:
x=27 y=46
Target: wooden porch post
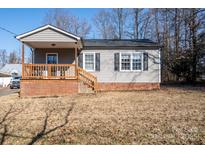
x=22 y=60
x=76 y=62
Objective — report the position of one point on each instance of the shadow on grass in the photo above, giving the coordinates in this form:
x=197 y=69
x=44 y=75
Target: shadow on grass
x=7 y=118
x=44 y=130
x=197 y=86
x=11 y=113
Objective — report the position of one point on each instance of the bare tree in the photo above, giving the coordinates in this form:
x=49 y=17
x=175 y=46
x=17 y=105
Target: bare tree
x=119 y=18
x=13 y=57
x=58 y=17
x=134 y=18
x=136 y=23
x=79 y=27
x=63 y=19
x=103 y=23
x=3 y=57
x=196 y=19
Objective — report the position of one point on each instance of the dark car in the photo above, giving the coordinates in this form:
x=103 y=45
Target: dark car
x=15 y=82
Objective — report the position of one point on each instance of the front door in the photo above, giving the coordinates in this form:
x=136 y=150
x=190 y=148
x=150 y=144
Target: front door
x=52 y=58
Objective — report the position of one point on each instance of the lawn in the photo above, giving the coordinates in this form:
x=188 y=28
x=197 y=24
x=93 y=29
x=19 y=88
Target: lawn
x=166 y=116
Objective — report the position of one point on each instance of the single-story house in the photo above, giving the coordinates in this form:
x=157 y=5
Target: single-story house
x=64 y=63
x=7 y=71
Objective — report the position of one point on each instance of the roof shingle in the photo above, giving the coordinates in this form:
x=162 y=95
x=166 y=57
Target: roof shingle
x=119 y=43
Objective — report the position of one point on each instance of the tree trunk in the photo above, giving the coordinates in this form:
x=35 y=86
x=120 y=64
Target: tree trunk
x=136 y=25
x=194 y=46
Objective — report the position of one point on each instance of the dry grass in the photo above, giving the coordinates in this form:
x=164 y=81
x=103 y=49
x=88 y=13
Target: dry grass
x=167 y=116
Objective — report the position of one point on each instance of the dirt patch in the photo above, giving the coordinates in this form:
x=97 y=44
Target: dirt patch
x=167 y=116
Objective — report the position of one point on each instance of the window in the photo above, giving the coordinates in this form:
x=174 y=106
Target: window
x=89 y=61
x=125 y=61
x=52 y=58
x=136 y=61
x=131 y=61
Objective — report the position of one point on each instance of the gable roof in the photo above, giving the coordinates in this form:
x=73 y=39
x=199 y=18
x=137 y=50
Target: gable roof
x=19 y=37
x=117 y=43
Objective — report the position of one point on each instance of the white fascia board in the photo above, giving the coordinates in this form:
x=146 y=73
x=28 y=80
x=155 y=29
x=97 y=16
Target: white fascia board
x=45 y=27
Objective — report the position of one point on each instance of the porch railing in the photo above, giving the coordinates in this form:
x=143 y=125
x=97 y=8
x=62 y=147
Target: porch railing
x=87 y=78
x=49 y=71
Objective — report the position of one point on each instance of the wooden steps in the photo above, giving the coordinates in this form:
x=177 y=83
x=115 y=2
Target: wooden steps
x=84 y=88
x=87 y=81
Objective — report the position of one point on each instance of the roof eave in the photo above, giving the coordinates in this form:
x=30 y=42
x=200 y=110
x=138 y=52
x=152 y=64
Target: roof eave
x=19 y=37
x=120 y=47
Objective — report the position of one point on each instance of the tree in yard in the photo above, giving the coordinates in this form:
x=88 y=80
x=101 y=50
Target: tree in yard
x=63 y=19
x=181 y=67
x=79 y=27
x=3 y=57
x=14 y=58
x=103 y=23
x=58 y=17
x=138 y=23
x=136 y=12
x=201 y=57
x=119 y=18
x=177 y=30
x=196 y=21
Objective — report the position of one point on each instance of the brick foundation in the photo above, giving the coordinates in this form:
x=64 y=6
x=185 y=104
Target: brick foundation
x=127 y=86
x=36 y=88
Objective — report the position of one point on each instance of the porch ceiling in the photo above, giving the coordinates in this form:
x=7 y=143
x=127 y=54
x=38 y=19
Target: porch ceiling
x=53 y=44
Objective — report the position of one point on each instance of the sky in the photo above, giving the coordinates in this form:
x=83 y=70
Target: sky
x=19 y=21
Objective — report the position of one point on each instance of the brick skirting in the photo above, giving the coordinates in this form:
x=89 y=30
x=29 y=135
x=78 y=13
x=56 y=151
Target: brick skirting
x=127 y=86
x=36 y=88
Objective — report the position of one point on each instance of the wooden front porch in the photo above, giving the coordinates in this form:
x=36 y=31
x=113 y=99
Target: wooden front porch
x=46 y=75
x=50 y=71
x=58 y=71
x=38 y=76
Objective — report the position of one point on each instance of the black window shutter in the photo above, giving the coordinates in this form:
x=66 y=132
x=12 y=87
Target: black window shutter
x=116 y=61
x=145 y=61
x=97 y=61
x=80 y=60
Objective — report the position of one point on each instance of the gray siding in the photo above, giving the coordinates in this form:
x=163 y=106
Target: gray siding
x=107 y=73
x=65 y=56
x=48 y=35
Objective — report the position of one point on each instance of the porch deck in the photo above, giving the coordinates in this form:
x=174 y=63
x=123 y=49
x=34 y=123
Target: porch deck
x=55 y=79
x=50 y=71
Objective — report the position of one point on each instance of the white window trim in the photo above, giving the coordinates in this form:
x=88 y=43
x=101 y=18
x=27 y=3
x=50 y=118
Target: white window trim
x=47 y=53
x=131 y=67
x=84 y=61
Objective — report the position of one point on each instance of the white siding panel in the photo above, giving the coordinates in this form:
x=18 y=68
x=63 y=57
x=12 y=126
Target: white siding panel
x=107 y=73
x=48 y=35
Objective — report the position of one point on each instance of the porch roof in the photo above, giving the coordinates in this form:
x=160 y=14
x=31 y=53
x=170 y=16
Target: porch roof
x=49 y=36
